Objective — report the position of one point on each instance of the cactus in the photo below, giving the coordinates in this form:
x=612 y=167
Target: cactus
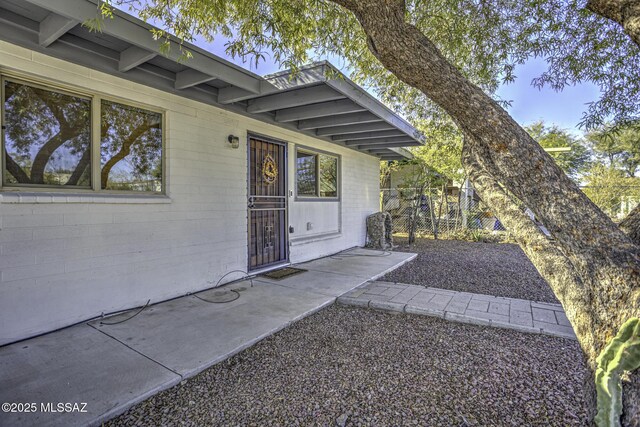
x=622 y=354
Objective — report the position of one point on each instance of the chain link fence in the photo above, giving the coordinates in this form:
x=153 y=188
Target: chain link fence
x=438 y=212
x=458 y=212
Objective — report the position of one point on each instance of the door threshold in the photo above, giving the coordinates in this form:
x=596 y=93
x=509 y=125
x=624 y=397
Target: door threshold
x=269 y=268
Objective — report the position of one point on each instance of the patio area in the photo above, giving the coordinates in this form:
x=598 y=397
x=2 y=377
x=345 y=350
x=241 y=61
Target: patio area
x=110 y=366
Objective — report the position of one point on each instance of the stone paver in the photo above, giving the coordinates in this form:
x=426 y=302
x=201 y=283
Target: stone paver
x=522 y=318
x=544 y=315
x=499 y=308
x=487 y=310
x=562 y=319
x=478 y=305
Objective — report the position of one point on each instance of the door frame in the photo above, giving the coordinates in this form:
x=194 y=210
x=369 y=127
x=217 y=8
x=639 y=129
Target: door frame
x=285 y=144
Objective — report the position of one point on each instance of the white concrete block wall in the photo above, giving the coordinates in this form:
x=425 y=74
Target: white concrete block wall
x=68 y=257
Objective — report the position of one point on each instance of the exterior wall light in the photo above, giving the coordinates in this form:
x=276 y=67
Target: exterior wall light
x=234 y=141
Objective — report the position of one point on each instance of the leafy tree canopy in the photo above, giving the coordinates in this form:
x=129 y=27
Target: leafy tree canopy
x=442 y=151
x=618 y=147
x=573 y=162
x=485 y=39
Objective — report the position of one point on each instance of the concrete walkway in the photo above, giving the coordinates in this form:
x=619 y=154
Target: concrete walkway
x=112 y=367
x=512 y=313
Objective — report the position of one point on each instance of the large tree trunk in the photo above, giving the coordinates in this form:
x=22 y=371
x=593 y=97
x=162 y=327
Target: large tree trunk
x=624 y=12
x=594 y=268
x=631 y=225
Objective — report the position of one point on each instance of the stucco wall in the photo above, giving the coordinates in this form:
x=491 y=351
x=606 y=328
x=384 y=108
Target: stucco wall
x=66 y=257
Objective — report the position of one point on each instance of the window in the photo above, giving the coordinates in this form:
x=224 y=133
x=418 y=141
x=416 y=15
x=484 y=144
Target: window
x=130 y=148
x=47 y=137
x=316 y=175
x=48 y=141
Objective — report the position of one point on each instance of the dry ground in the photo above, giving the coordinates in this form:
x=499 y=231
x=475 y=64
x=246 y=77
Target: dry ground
x=379 y=369
x=499 y=269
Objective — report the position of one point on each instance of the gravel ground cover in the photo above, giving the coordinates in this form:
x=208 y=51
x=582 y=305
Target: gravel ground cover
x=359 y=367
x=499 y=269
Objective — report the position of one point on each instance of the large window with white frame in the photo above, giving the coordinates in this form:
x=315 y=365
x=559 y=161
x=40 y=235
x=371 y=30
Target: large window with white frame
x=55 y=138
x=316 y=174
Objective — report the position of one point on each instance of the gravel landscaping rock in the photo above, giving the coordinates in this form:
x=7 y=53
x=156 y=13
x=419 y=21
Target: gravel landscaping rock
x=499 y=269
x=362 y=367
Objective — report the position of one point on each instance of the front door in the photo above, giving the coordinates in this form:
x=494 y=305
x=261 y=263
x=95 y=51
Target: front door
x=267 y=203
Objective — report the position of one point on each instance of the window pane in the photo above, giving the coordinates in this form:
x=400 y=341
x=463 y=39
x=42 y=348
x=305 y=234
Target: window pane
x=47 y=137
x=306 y=174
x=328 y=176
x=130 y=148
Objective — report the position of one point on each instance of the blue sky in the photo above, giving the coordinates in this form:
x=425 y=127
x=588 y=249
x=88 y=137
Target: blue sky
x=528 y=104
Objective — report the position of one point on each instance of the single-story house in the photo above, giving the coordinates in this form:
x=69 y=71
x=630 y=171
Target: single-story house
x=131 y=173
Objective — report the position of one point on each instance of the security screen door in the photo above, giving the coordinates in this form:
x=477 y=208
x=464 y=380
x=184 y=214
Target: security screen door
x=267 y=204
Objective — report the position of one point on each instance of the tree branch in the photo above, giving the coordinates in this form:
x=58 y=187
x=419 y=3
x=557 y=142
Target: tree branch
x=124 y=150
x=14 y=169
x=552 y=264
x=82 y=165
x=45 y=153
x=624 y=12
x=631 y=225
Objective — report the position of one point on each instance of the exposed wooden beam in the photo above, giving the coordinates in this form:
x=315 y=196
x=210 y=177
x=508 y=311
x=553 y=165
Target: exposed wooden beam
x=390 y=144
x=138 y=33
x=231 y=94
x=323 y=109
x=361 y=127
x=379 y=141
x=133 y=56
x=293 y=98
x=351 y=90
x=53 y=27
x=342 y=120
x=368 y=135
x=189 y=77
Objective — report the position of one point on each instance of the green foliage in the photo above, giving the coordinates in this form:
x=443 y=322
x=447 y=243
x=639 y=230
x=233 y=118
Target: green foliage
x=618 y=147
x=573 y=162
x=613 y=192
x=484 y=39
x=442 y=151
x=621 y=355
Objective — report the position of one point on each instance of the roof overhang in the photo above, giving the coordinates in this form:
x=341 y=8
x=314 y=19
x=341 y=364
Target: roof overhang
x=318 y=100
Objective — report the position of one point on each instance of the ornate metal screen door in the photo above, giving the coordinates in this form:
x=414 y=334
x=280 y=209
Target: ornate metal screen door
x=267 y=203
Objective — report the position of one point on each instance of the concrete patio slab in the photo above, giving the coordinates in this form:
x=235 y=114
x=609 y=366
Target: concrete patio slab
x=317 y=282
x=112 y=367
x=377 y=262
x=187 y=335
x=76 y=365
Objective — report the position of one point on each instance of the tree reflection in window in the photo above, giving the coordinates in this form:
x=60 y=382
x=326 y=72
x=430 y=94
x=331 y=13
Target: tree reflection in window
x=328 y=176
x=130 y=148
x=316 y=175
x=306 y=173
x=47 y=137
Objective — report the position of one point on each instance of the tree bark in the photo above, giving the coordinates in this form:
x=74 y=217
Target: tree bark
x=624 y=12
x=631 y=225
x=592 y=265
x=546 y=256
